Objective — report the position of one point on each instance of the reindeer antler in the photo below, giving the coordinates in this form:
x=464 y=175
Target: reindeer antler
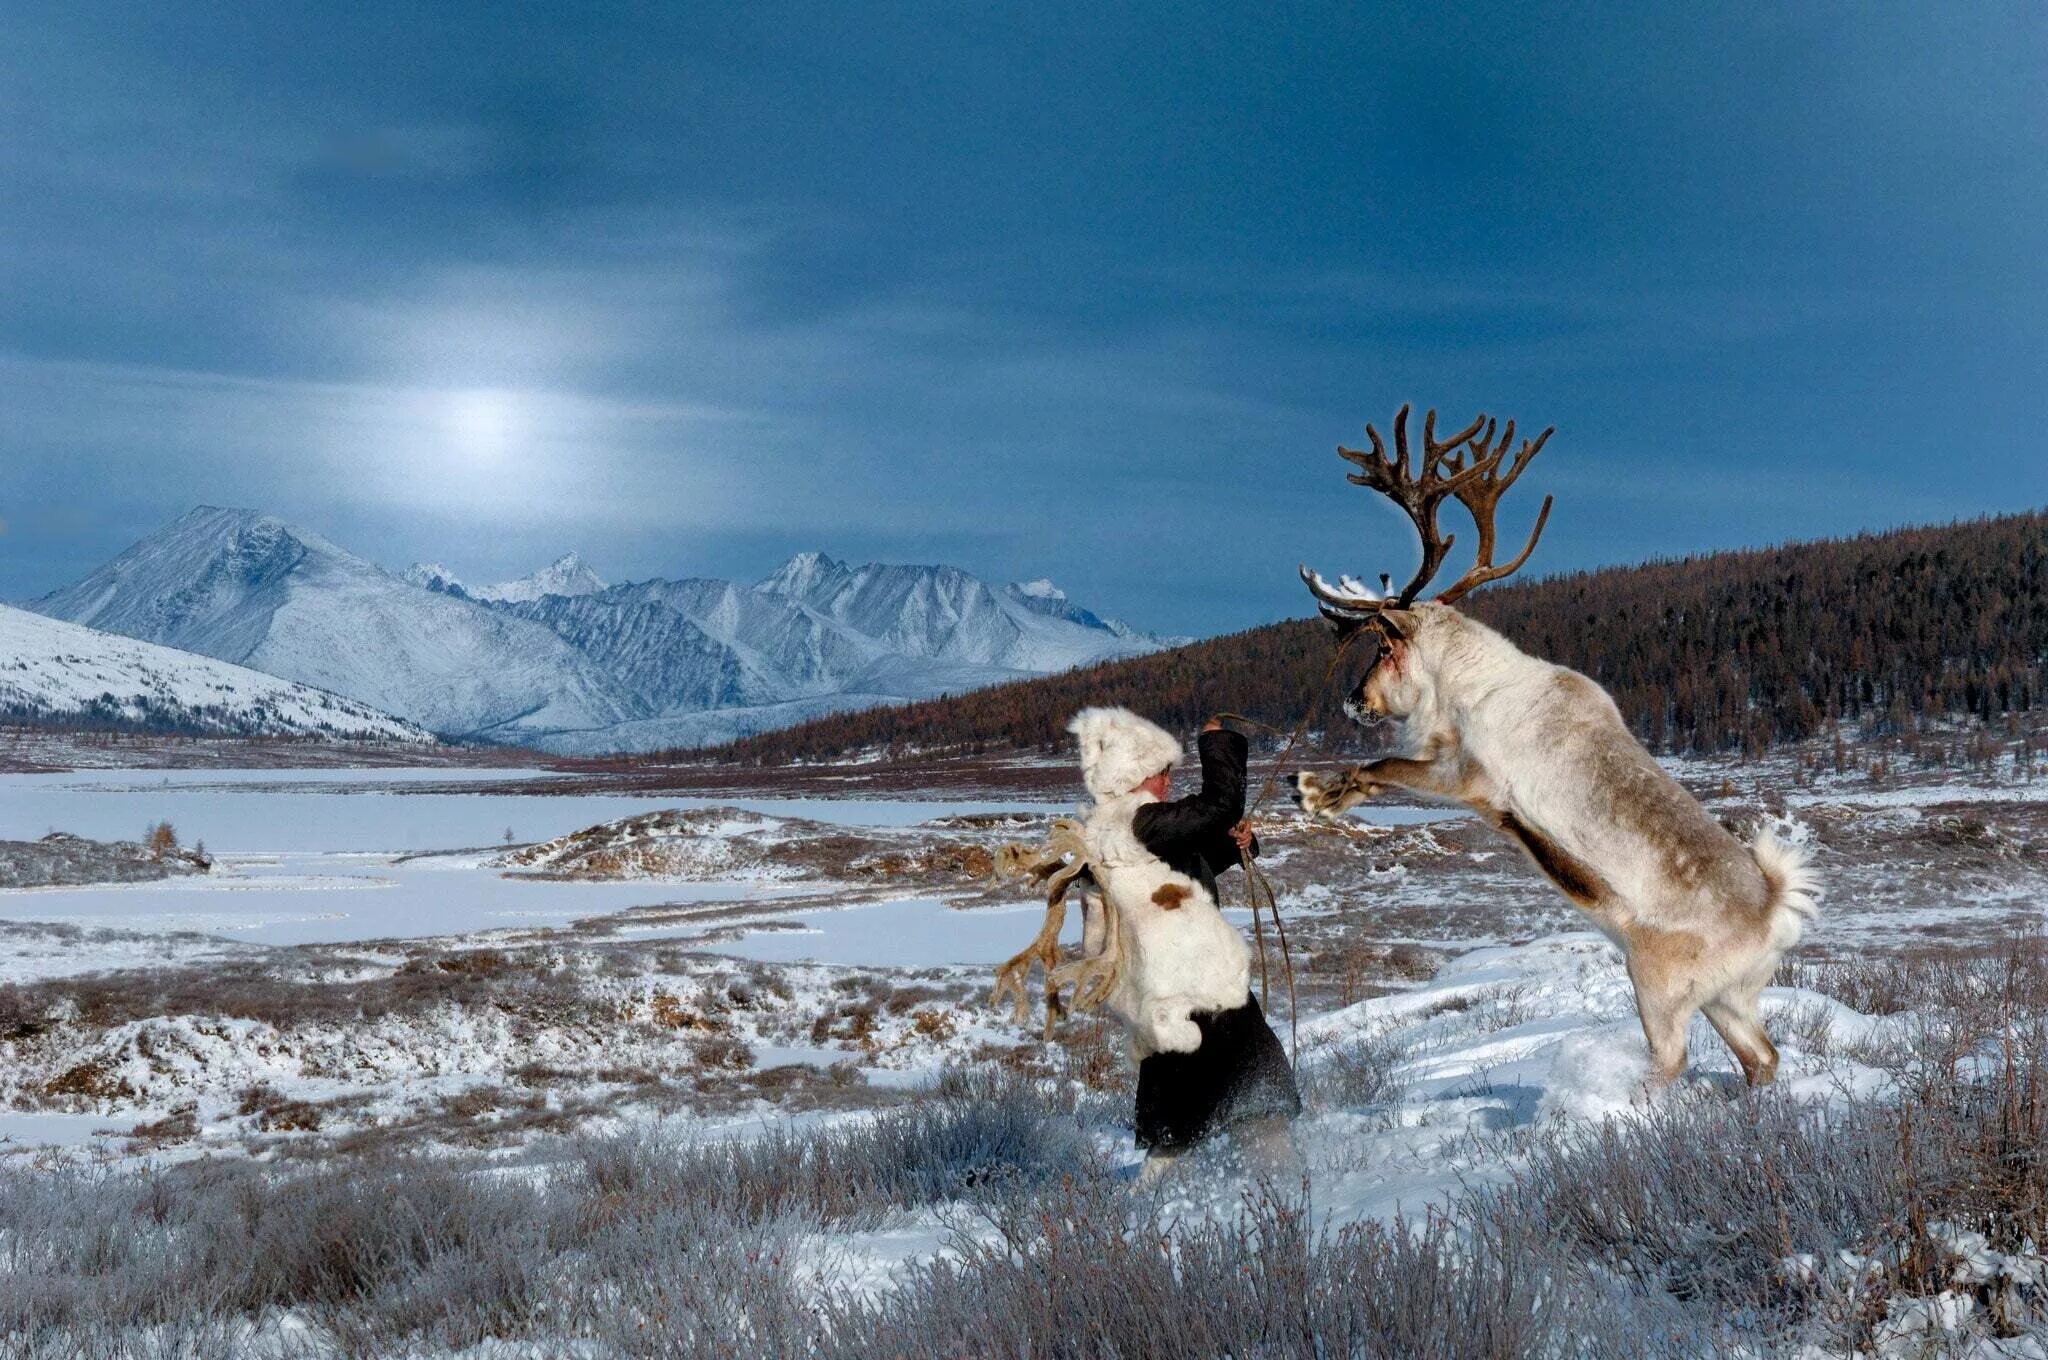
x=1481 y=496
x=1418 y=496
x=1444 y=474
x=1059 y=864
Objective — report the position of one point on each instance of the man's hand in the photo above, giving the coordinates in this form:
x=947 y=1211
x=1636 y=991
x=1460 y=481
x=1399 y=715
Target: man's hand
x=1243 y=834
x=1213 y=725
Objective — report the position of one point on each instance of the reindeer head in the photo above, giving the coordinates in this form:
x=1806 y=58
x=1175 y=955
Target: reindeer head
x=1466 y=467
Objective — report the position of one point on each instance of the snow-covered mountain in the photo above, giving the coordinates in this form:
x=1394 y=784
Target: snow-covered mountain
x=52 y=671
x=250 y=589
x=947 y=615
x=718 y=659
x=563 y=661
x=566 y=575
x=1043 y=597
x=433 y=576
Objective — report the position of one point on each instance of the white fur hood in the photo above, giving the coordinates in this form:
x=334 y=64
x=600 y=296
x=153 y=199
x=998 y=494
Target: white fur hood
x=1120 y=750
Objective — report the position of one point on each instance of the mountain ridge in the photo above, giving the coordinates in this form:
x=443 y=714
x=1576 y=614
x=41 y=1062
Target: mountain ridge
x=1894 y=632
x=561 y=660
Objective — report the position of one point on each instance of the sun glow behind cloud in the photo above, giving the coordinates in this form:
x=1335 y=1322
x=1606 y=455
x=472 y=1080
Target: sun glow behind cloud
x=484 y=428
x=512 y=455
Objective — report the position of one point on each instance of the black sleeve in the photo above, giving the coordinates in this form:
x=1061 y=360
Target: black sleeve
x=1199 y=825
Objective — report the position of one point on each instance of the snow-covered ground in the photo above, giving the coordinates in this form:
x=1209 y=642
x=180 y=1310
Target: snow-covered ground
x=1500 y=1021
x=326 y=897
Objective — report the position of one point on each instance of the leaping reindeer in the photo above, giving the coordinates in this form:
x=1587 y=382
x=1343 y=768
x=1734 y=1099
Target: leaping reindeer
x=1541 y=753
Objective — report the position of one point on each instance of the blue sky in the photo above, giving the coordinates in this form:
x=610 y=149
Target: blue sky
x=1083 y=291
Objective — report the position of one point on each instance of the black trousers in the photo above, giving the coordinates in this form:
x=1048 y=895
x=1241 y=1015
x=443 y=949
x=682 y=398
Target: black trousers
x=1240 y=1073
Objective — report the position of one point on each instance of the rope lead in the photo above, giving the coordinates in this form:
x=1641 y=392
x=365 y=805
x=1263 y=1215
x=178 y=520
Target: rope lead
x=1256 y=882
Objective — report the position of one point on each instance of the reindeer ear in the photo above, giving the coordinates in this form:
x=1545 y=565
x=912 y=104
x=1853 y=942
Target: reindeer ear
x=1399 y=623
x=1342 y=625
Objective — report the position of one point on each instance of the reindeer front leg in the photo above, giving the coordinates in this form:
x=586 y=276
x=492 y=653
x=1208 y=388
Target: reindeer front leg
x=1439 y=775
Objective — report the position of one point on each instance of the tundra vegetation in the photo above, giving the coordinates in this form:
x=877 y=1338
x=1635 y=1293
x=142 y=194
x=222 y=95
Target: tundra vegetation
x=60 y=858
x=543 y=1205
x=1697 y=1226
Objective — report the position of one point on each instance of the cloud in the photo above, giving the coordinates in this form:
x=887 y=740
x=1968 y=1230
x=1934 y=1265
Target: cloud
x=288 y=442
x=1092 y=294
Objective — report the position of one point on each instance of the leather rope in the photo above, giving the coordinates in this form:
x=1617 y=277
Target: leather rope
x=1255 y=882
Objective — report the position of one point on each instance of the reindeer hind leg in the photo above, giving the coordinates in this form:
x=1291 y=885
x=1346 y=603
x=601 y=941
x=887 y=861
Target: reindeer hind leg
x=1664 y=1010
x=1734 y=1017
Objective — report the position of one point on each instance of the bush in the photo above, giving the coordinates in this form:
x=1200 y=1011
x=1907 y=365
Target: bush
x=1680 y=1232
x=1357 y=1071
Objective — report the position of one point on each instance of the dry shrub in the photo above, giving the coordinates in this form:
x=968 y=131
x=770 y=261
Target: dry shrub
x=178 y=1126
x=276 y=1112
x=1359 y=1071
x=722 y=1053
x=932 y=1024
x=23 y=1014
x=668 y=1011
x=2009 y=976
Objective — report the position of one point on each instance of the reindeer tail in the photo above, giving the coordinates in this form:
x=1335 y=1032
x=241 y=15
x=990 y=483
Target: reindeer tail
x=1794 y=892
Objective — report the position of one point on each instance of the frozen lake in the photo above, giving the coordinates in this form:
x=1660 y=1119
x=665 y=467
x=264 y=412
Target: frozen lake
x=312 y=856
x=369 y=810
x=308 y=897
x=318 y=856
x=911 y=933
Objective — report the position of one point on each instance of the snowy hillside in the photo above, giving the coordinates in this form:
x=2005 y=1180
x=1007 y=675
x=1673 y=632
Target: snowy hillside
x=51 y=670
x=248 y=588
x=562 y=661
x=945 y=614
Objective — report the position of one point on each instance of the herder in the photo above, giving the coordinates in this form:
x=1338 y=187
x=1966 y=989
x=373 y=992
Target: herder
x=1207 y=1061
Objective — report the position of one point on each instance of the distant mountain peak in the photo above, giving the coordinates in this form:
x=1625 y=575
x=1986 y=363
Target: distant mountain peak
x=225 y=524
x=1041 y=589
x=803 y=575
x=568 y=575
x=434 y=576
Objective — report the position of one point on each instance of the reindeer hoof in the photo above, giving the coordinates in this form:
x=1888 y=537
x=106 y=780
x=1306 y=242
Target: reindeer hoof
x=1327 y=795
x=1313 y=796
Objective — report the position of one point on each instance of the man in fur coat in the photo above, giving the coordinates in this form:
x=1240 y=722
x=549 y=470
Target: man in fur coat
x=1207 y=1060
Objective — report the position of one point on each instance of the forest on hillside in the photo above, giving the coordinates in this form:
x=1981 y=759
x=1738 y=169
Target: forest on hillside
x=1729 y=651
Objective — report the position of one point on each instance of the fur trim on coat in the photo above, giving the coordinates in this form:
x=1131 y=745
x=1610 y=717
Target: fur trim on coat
x=1120 y=750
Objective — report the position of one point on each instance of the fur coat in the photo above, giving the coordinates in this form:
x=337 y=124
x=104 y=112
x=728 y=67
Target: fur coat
x=1179 y=954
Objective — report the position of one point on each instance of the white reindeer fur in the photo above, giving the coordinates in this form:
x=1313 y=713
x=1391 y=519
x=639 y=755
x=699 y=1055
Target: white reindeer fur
x=1703 y=918
x=1175 y=961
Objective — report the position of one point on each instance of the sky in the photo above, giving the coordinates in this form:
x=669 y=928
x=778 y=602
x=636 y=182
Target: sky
x=1083 y=291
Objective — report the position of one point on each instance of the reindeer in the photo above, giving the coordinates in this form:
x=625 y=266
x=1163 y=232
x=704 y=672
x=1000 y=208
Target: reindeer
x=1541 y=753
